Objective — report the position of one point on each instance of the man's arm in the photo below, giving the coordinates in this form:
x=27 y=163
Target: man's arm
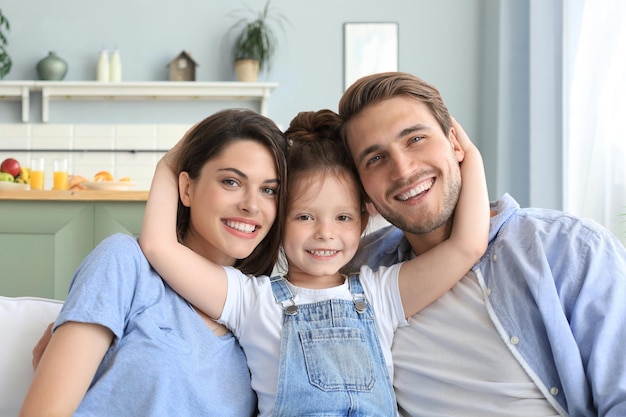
x=41 y=345
x=66 y=369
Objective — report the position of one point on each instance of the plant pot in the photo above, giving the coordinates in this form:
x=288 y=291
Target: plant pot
x=247 y=70
x=52 y=68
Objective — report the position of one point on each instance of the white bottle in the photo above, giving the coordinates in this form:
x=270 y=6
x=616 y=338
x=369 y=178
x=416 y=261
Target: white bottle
x=103 y=66
x=115 y=72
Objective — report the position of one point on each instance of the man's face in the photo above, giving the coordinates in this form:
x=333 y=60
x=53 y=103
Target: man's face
x=408 y=165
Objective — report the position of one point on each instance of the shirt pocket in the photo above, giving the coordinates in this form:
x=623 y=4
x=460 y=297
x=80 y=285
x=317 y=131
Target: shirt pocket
x=338 y=359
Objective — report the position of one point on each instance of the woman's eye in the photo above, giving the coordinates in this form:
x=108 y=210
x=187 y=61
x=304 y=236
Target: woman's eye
x=270 y=191
x=230 y=182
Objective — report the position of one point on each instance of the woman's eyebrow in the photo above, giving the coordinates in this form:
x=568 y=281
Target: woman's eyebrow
x=245 y=176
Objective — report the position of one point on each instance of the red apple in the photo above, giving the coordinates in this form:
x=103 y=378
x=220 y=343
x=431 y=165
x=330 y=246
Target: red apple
x=11 y=166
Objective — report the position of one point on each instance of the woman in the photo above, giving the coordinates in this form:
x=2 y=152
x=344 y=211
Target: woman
x=125 y=343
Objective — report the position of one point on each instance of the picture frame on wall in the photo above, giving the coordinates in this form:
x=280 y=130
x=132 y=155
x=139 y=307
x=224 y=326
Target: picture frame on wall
x=369 y=47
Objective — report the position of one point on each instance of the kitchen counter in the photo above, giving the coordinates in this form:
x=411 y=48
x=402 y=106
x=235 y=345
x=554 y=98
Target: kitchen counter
x=45 y=235
x=75 y=195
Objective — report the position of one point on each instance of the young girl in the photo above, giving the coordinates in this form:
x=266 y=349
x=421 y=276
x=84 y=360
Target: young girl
x=124 y=343
x=317 y=342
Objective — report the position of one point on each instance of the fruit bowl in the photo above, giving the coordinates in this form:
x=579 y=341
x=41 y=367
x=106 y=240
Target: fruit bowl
x=109 y=185
x=13 y=186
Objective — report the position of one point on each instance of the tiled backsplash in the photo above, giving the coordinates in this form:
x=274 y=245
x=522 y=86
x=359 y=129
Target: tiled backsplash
x=90 y=145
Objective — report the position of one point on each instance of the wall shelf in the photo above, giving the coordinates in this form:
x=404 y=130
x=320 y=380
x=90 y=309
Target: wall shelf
x=17 y=90
x=157 y=90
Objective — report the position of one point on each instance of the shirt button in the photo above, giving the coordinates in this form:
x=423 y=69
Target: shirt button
x=514 y=340
x=554 y=390
x=494 y=257
x=488 y=292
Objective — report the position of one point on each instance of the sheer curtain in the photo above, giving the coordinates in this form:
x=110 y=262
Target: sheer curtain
x=595 y=112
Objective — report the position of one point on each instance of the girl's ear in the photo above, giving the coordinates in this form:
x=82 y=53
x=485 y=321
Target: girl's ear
x=184 y=188
x=365 y=218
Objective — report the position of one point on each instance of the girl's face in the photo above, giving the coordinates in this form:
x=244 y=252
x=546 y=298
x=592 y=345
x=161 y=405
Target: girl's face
x=322 y=229
x=232 y=203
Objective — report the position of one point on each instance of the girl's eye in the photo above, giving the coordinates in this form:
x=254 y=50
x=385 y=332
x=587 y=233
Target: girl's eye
x=304 y=217
x=344 y=218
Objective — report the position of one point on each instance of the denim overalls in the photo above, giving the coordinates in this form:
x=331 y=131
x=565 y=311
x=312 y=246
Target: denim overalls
x=331 y=363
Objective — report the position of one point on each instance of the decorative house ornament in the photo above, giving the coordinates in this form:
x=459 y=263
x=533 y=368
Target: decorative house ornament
x=183 y=68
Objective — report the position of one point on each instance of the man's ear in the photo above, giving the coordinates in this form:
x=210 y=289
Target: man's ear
x=371 y=210
x=459 y=152
x=184 y=188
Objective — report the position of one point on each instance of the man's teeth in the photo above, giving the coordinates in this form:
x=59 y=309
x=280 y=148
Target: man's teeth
x=323 y=252
x=415 y=191
x=242 y=227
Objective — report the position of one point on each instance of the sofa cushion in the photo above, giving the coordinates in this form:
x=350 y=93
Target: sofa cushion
x=22 y=322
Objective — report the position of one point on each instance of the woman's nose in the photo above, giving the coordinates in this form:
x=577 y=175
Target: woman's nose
x=250 y=204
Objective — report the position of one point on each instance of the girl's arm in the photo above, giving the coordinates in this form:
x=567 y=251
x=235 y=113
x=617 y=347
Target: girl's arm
x=195 y=278
x=66 y=370
x=428 y=276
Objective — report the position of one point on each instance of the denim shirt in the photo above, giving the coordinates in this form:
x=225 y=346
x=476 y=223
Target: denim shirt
x=557 y=297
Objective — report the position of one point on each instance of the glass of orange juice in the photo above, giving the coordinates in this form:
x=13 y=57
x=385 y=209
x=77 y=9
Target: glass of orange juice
x=59 y=175
x=37 y=174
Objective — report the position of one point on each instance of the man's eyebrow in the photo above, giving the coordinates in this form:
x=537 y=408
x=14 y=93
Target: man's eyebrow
x=400 y=135
x=412 y=129
x=245 y=176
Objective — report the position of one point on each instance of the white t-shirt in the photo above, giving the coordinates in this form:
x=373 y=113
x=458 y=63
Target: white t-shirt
x=450 y=361
x=252 y=314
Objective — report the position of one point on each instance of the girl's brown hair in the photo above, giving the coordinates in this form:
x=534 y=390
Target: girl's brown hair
x=314 y=145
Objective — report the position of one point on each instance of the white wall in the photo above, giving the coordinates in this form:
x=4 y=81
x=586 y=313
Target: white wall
x=449 y=43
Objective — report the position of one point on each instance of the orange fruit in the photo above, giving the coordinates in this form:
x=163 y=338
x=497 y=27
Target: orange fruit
x=103 y=176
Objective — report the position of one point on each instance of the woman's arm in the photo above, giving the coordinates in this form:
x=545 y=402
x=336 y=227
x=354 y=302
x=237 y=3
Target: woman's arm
x=195 y=278
x=66 y=369
x=428 y=276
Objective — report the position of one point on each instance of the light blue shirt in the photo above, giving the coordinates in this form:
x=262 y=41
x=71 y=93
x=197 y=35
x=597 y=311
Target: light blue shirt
x=164 y=360
x=557 y=287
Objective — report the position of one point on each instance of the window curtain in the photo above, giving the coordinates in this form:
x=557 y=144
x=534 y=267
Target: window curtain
x=595 y=112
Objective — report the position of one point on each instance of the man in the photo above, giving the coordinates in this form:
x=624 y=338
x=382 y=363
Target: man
x=537 y=327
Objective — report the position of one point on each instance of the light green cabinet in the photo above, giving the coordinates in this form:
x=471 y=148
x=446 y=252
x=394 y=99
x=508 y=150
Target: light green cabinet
x=43 y=242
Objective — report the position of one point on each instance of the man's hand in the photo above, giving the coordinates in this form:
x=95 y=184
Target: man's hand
x=41 y=345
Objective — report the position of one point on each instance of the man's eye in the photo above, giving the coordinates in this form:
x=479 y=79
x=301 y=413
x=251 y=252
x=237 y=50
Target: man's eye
x=416 y=139
x=373 y=160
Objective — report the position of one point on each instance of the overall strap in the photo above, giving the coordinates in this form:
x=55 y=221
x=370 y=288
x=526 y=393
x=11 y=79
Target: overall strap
x=358 y=295
x=283 y=295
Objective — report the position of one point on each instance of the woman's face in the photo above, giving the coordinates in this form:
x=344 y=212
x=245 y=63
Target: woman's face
x=232 y=203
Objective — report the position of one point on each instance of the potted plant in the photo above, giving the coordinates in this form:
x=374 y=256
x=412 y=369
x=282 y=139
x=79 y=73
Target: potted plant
x=5 y=59
x=255 y=43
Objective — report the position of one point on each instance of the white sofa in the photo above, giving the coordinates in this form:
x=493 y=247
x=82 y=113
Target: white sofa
x=22 y=322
